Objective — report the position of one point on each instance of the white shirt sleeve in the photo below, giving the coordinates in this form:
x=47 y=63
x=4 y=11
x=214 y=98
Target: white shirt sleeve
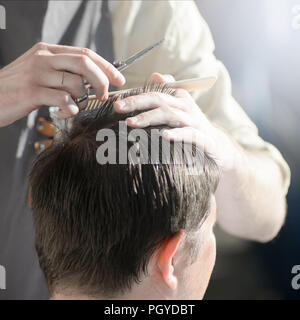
x=187 y=52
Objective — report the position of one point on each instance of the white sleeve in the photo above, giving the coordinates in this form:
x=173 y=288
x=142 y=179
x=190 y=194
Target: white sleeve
x=188 y=51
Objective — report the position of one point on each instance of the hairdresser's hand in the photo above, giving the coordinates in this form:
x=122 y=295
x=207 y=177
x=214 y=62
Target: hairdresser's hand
x=52 y=75
x=250 y=196
x=189 y=122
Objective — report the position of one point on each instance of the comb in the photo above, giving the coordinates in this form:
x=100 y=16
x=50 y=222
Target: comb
x=189 y=85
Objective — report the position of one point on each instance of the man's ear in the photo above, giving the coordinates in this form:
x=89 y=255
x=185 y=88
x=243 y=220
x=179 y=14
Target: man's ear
x=165 y=259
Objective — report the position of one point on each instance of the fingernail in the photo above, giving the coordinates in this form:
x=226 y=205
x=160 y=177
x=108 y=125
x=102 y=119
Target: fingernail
x=118 y=77
x=133 y=120
x=105 y=97
x=121 y=78
x=72 y=103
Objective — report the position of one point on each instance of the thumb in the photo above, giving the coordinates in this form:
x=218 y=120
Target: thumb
x=161 y=78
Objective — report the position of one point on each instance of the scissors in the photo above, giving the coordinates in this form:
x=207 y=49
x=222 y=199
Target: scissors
x=122 y=65
x=187 y=84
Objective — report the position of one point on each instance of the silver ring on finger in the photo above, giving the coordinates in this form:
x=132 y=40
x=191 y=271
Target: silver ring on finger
x=81 y=99
x=63 y=78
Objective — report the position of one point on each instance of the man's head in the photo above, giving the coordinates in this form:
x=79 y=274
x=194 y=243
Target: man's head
x=106 y=228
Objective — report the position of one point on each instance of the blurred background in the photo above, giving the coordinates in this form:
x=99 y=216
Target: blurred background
x=259 y=42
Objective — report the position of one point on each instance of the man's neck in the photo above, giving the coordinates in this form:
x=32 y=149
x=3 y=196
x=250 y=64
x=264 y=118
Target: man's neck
x=139 y=292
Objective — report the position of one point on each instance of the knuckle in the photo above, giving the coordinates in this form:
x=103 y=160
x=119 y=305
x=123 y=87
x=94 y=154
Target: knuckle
x=86 y=52
x=36 y=59
x=63 y=99
x=40 y=46
x=39 y=53
x=83 y=60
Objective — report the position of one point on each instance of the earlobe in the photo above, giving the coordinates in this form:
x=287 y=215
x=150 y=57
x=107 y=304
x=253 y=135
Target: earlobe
x=166 y=260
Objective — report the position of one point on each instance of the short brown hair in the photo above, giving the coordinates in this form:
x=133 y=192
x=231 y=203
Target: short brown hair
x=96 y=226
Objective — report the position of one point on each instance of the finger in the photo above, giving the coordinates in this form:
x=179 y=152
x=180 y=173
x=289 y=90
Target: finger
x=146 y=101
x=161 y=78
x=157 y=117
x=66 y=81
x=85 y=67
x=181 y=93
x=189 y=135
x=74 y=84
x=66 y=113
x=145 y=119
x=186 y=134
x=54 y=97
x=113 y=74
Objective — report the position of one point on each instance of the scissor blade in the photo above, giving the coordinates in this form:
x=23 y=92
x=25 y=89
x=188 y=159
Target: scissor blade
x=139 y=55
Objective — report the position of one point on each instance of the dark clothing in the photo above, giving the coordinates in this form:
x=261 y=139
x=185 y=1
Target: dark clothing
x=25 y=23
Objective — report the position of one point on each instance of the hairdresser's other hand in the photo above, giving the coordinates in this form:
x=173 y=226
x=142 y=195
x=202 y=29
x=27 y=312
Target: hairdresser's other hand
x=53 y=75
x=188 y=121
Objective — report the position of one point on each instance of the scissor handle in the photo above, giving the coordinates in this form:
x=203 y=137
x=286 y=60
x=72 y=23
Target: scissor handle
x=120 y=65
